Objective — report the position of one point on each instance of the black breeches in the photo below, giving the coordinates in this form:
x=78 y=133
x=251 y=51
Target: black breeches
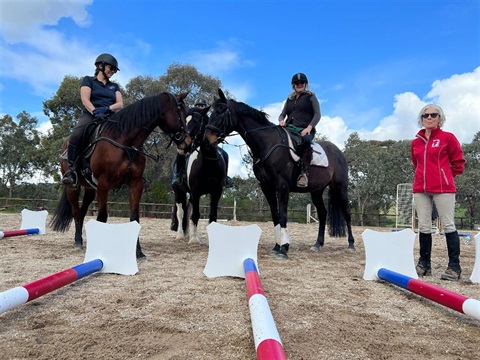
x=77 y=136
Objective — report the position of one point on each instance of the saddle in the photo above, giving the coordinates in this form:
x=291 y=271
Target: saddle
x=296 y=144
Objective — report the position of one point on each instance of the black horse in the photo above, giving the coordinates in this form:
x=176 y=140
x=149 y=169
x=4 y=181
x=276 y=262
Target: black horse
x=277 y=171
x=117 y=158
x=206 y=173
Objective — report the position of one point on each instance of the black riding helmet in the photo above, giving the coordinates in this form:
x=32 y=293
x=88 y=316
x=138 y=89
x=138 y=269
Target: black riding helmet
x=107 y=59
x=299 y=77
x=201 y=102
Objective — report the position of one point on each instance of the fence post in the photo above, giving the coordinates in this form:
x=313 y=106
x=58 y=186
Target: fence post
x=234 y=209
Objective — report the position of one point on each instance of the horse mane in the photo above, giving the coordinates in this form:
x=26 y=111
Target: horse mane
x=135 y=115
x=248 y=111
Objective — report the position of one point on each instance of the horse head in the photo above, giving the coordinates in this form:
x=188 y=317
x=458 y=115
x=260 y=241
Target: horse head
x=197 y=119
x=220 y=124
x=176 y=124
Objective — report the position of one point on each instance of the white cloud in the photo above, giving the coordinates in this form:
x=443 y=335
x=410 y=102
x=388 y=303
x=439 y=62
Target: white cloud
x=23 y=21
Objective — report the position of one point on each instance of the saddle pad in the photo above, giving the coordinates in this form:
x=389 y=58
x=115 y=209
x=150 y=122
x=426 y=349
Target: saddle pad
x=319 y=157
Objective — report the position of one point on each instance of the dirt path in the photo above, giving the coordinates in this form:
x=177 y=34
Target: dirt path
x=322 y=306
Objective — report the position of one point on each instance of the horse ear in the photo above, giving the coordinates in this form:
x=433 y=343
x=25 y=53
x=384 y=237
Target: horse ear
x=222 y=95
x=182 y=96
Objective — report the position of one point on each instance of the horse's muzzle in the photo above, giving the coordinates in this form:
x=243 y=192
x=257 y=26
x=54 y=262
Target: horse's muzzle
x=184 y=147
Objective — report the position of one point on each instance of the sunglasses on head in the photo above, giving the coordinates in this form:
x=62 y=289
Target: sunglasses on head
x=433 y=115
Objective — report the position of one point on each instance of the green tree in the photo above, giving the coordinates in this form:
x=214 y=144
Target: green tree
x=375 y=169
x=468 y=189
x=18 y=149
x=63 y=110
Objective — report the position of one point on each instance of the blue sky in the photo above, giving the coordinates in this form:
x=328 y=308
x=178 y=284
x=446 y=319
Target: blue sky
x=372 y=64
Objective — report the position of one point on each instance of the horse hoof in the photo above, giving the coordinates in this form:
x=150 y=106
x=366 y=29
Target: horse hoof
x=141 y=255
x=275 y=250
x=281 y=256
x=78 y=245
x=352 y=248
x=315 y=248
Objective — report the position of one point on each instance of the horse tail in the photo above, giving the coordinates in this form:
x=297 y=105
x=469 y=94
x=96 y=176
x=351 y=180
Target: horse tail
x=336 y=219
x=63 y=216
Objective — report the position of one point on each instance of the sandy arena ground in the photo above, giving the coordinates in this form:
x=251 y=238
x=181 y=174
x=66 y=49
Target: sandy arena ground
x=322 y=307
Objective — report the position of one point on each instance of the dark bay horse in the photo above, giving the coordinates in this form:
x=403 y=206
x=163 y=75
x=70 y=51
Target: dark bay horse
x=117 y=158
x=206 y=173
x=277 y=172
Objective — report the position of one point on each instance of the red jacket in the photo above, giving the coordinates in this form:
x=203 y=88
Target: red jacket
x=437 y=161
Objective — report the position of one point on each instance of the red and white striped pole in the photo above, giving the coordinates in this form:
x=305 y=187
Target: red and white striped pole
x=267 y=340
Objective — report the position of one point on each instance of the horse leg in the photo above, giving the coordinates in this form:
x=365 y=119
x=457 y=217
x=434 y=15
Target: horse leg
x=283 y=195
x=174 y=223
x=214 y=200
x=73 y=196
x=179 y=219
x=88 y=197
x=317 y=199
x=270 y=195
x=193 y=232
x=136 y=191
x=180 y=207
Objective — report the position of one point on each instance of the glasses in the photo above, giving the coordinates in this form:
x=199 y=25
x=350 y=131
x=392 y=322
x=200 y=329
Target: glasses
x=112 y=68
x=299 y=83
x=433 y=115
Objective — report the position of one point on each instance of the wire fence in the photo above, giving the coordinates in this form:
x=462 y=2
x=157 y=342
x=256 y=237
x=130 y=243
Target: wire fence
x=165 y=211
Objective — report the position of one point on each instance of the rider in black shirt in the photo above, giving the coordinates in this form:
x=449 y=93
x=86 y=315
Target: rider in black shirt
x=101 y=97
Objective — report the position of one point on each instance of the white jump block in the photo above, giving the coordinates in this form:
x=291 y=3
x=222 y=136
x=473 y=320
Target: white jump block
x=228 y=247
x=476 y=267
x=34 y=219
x=390 y=250
x=114 y=244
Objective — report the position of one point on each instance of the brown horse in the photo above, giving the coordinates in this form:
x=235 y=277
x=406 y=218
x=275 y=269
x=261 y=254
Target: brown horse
x=117 y=158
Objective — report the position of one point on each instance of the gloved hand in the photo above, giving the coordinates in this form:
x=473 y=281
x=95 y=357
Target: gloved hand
x=101 y=113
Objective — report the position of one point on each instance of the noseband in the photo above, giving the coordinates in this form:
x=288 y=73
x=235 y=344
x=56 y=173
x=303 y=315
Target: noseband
x=226 y=124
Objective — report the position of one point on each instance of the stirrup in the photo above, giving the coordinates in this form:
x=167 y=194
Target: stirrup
x=70 y=179
x=302 y=181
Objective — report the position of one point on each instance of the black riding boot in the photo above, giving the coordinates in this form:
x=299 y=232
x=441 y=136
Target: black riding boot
x=302 y=181
x=179 y=174
x=424 y=267
x=454 y=270
x=70 y=177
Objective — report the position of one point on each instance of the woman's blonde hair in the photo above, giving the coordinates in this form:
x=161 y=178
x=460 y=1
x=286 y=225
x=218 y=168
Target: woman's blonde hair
x=438 y=108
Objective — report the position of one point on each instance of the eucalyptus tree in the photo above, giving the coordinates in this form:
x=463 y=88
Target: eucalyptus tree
x=19 y=141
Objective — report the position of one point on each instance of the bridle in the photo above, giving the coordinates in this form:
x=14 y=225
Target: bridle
x=179 y=137
x=226 y=123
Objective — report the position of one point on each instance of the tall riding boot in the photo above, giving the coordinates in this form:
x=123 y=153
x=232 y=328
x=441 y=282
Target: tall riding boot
x=179 y=171
x=424 y=267
x=70 y=177
x=228 y=180
x=302 y=181
x=454 y=270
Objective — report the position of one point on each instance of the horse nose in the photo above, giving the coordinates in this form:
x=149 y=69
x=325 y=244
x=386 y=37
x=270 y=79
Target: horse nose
x=210 y=137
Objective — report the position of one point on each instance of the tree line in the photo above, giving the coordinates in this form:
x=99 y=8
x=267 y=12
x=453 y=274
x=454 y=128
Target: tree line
x=375 y=167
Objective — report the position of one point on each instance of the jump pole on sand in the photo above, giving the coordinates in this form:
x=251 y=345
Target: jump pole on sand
x=110 y=249
x=390 y=255
x=233 y=252
x=33 y=222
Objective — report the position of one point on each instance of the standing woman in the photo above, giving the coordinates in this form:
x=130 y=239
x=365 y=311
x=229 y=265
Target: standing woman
x=101 y=97
x=437 y=158
x=300 y=114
